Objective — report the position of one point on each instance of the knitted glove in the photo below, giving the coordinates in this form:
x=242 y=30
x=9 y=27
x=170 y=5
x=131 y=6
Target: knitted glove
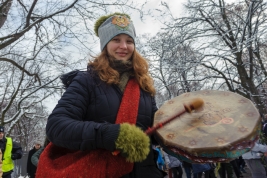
x=133 y=143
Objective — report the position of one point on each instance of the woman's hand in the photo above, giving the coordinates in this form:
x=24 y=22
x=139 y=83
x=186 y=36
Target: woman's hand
x=133 y=143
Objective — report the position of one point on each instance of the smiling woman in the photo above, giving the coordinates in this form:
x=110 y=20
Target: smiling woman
x=105 y=109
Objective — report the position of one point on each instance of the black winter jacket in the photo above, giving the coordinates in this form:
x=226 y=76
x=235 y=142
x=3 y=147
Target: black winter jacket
x=95 y=103
x=31 y=168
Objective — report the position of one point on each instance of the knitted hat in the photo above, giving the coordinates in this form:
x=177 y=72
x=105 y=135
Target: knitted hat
x=38 y=142
x=106 y=27
x=2 y=129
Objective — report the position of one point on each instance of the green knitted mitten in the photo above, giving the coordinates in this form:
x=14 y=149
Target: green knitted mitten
x=133 y=143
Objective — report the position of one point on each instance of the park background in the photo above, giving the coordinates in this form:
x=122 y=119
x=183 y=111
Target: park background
x=191 y=45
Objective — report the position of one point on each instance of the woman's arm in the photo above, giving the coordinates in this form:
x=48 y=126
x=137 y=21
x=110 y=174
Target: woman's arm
x=67 y=126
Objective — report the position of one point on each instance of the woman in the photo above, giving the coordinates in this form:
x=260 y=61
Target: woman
x=86 y=117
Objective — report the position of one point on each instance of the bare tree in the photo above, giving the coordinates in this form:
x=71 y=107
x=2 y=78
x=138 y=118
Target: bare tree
x=173 y=65
x=230 y=39
x=4 y=8
x=39 y=40
x=30 y=127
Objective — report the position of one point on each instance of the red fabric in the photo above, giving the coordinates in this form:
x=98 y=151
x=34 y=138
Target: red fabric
x=129 y=105
x=64 y=163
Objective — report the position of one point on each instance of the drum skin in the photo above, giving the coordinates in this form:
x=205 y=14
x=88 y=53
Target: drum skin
x=225 y=127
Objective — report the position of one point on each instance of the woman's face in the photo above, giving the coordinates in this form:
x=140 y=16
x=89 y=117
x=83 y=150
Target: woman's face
x=121 y=47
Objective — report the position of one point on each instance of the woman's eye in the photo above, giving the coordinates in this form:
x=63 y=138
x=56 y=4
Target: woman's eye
x=116 y=39
x=129 y=41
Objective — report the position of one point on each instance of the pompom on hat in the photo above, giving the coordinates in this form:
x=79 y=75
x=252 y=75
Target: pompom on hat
x=107 y=27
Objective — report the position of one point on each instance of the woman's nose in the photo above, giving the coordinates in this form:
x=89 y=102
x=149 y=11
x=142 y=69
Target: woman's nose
x=123 y=44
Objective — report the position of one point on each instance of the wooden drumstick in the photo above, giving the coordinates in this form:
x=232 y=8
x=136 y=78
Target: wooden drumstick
x=195 y=104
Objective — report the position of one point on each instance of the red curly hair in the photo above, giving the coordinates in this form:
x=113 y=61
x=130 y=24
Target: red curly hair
x=101 y=64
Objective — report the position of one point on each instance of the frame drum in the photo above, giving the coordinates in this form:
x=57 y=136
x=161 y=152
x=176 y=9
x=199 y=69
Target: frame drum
x=226 y=127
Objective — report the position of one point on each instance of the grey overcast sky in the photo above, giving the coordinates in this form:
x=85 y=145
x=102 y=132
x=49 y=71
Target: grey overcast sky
x=152 y=25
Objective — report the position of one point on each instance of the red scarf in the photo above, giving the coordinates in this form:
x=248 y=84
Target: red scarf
x=64 y=163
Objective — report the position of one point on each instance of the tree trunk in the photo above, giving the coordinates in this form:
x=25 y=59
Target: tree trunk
x=4 y=8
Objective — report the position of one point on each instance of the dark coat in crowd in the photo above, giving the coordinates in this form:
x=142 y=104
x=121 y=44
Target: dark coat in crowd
x=31 y=168
x=35 y=157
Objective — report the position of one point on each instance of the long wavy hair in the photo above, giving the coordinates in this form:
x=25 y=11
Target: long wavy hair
x=101 y=64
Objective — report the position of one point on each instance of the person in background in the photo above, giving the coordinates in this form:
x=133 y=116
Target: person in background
x=236 y=168
x=188 y=169
x=1 y=162
x=206 y=168
x=229 y=168
x=85 y=117
x=241 y=164
x=10 y=151
x=253 y=160
x=35 y=157
x=31 y=168
x=174 y=166
x=160 y=160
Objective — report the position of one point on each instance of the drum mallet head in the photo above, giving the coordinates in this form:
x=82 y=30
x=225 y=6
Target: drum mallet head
x=194 y=105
